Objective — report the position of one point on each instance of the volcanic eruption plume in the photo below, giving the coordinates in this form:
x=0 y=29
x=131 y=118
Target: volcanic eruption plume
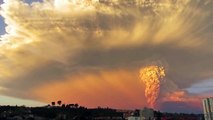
x=152 y=77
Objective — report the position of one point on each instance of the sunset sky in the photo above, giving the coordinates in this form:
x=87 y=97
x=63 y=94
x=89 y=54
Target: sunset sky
x=90 y=52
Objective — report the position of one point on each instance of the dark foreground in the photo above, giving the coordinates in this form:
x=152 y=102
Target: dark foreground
x=75 y=112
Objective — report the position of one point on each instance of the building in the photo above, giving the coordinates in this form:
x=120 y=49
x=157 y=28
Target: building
x=126 y=113
x=208 y=108
x=134 y=118
x=144 y=114
x=147 y=114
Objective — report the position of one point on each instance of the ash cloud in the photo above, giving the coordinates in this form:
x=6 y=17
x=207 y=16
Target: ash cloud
x=51 y=40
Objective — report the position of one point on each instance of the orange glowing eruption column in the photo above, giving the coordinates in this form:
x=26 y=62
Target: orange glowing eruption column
x=152 y=77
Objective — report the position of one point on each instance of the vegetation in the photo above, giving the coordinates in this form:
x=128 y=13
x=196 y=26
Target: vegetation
x=63 y=111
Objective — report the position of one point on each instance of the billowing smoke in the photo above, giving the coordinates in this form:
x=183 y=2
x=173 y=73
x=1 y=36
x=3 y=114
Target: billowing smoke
x=50 y=41
x=152 y=77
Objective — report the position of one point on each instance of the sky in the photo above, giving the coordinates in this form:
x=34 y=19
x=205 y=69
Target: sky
x=90 y=52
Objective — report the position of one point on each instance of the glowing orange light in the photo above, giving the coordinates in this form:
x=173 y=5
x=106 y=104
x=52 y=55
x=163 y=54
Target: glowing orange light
x=152 y=76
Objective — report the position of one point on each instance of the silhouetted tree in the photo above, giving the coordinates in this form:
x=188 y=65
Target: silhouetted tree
x=48 y=105
x=72 y=105
x=158 y=115
x=67 y=105
x=63 y=105
x=76 y=105
x=53 y=103
x=59 y=102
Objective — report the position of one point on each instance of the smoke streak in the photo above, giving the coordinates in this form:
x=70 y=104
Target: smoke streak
x=152 y=76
